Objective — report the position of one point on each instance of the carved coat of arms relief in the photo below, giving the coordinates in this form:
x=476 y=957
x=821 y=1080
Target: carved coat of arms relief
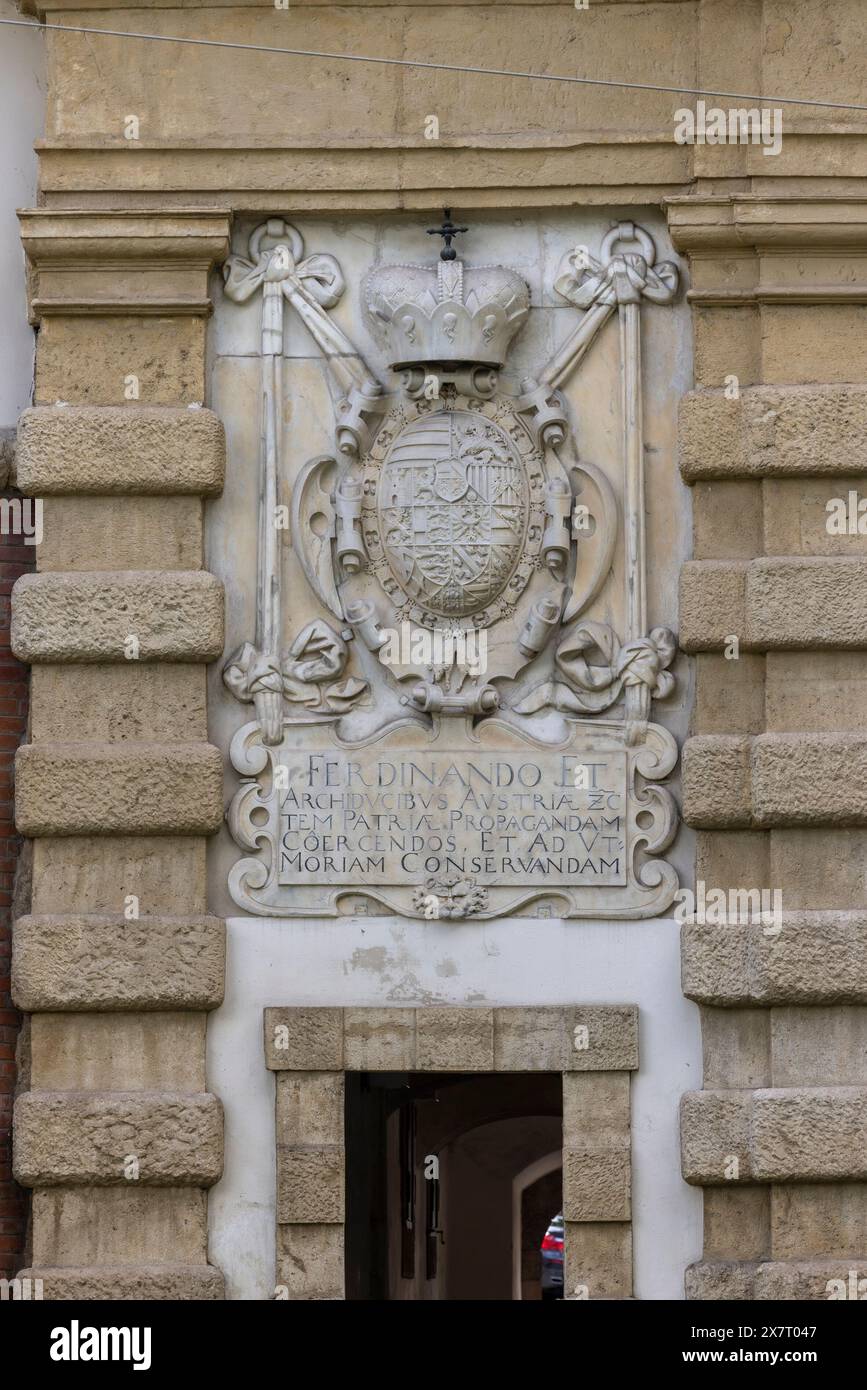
x=439 y=727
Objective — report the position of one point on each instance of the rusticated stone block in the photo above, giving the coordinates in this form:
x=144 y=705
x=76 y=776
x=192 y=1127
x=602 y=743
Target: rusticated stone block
x=454 y=1039
x=596 y=1109
x=715 y=1136
x=118 y=789
x=771 y=1280
x=773 y=431
x=68 y=1137
x=814 y=958
x=170 y=1283
x=717 y=781
x=597 y=1185
x=172 y=616
x=73 y=962
x=809 y=602
x=379 y=1039
x=809 y=779
x=598 y=1260
x=804 y=1134
x=721 y=1280
x=712 y=604
x=304 y=1039
x=310 y=1261
x=816 y=1134
x=715 y=962
x=310 y=1184
x=120 y=449
x=309 y=1108
x=531 y=1039
x=602 y=1037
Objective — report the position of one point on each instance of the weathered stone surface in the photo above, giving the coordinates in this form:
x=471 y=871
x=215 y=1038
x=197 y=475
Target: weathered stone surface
x=773 y=431
x=122 y=449
x=304 y=1039
x=95 y=873
x=809 y=602
x=132 y=702
x=818 y=1221
x=727 y=520
x=598 y=1260
x=310 y=1184
x=104 y=534
x=72 y=962
x=737 y=1222
x=118 y=1052
x=712 y=604
x=809 y=779
x=87 y=360
x=170 y=1283
x=173 y=616
x=119 y=1225
x=737 y=1048
x=765 y=1281
x=531 y=1039
x=816 y=958
x=118 y=789
x=379 y=1039
x=716 y=781
x=597 y=1185
x=810 y=1134
x=819 y=1045
x=805 y=1134
x=69 y=1138
x=825 y=692
x=715 y=1136
x=310 y=1261
x=596 y=1109
x=721 y=1279
x=729 y=695
x=603 y=1037
x=310 y=1108
x=454 y=1039
x=775 y=779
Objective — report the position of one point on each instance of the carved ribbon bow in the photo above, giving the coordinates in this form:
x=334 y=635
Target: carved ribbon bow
x=624 y=277
x=304 y=676
x=587 y=689
x=317 y=278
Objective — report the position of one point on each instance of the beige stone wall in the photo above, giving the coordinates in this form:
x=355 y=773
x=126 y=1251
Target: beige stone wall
x=118 y=960
x=120 y=787
x=773 y=778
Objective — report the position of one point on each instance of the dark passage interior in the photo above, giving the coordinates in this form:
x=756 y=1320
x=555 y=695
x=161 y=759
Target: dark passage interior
x=452 y=1182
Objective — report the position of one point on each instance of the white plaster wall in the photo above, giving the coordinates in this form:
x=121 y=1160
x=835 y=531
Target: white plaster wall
x=370 y=962
x=22 y=97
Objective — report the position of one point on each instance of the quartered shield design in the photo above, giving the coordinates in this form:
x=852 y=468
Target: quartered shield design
x=453 y=505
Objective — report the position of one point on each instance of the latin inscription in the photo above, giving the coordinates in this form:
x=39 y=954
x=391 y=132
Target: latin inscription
x=498 y=818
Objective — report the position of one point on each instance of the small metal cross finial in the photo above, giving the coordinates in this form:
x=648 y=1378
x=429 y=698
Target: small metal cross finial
x=448 y=231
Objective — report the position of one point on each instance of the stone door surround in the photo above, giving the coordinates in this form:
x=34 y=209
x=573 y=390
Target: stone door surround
x=595 y=1048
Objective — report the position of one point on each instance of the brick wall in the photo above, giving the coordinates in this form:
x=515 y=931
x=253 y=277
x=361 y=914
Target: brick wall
x=15 y=559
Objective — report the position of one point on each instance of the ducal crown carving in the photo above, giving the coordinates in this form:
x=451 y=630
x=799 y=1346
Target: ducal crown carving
x=450 y=313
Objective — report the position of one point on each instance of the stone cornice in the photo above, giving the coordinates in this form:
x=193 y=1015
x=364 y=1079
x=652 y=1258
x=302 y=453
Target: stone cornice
x=123 y=262
x=751 y=221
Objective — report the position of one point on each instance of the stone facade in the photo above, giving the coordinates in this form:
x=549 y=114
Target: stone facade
x=137 y=249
